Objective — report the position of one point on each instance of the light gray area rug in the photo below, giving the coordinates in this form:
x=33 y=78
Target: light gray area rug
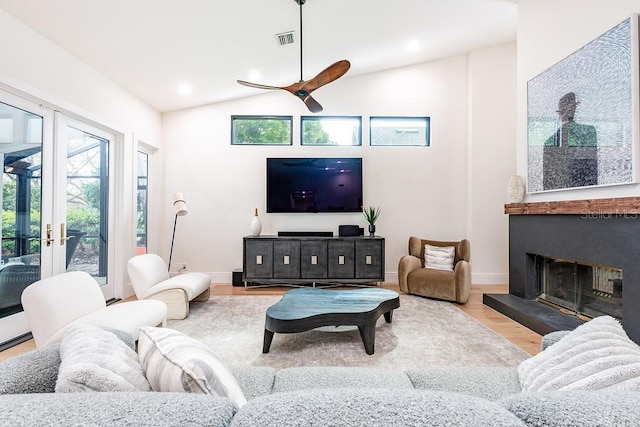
x=423 y=333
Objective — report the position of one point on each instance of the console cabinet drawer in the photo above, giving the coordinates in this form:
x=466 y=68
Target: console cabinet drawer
x=369 y=259
x=313 y=259
x=286 y=259
x=341 y=262
x=258 y=259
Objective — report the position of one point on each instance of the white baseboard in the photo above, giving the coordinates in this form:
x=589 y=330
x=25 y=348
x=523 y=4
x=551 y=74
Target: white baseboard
x=221 y=277
x=489 y=278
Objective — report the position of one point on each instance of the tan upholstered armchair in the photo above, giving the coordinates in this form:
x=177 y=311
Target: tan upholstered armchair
x=453 y=285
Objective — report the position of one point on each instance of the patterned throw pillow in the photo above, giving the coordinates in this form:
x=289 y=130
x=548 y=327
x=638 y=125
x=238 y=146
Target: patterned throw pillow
x=175 y=362
x=93 y=359
x=439 y=257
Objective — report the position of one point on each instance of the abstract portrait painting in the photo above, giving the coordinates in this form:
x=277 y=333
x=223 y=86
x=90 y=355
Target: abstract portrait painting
x=582 y=128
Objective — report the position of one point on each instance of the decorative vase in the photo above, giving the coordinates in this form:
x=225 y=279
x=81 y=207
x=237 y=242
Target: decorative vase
x=256 y=225
x=372 y=230
x=515 y=190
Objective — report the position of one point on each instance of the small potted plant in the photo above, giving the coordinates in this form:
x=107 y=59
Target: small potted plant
x=371 y=214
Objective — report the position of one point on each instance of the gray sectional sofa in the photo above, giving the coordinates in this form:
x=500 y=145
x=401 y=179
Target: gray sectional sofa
x=313 y=396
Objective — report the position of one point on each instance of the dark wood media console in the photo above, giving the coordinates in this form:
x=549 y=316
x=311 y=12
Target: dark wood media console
x=302 y=260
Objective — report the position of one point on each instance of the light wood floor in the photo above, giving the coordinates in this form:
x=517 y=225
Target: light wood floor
x=523 y=337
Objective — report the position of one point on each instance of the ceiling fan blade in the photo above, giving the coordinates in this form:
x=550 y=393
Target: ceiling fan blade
x=329 y=74
x=258 y=86
x=312 y=104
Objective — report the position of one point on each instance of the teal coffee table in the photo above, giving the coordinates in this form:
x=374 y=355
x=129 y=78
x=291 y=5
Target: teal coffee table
x=304 y=309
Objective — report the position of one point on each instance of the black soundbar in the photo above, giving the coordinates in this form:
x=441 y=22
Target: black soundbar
x=305 y=233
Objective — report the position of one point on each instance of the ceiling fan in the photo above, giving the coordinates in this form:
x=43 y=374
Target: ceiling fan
x=303 y=88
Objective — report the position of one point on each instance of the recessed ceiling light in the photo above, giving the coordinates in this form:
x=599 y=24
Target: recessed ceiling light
x=184 y=89
x=413 y=46
x=254 y=75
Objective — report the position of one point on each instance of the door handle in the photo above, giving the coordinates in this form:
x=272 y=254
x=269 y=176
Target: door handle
x=63 y=231
x=49 y=240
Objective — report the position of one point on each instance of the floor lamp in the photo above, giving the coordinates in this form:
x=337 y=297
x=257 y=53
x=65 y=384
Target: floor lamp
x=181 y=210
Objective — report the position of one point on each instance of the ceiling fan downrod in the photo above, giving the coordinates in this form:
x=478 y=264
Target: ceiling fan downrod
x=300 y=2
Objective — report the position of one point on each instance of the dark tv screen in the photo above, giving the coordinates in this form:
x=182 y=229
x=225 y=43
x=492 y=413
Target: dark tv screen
x=314 y=185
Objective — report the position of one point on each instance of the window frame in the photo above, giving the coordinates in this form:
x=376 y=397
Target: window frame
x=336 y=118
x=400 y=120
x=235 y=118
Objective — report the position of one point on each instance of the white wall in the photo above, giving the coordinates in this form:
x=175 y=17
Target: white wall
x=35 y=68
x=32 y=64
x=492 y=153
x=548 y=31
x=453 y=189
x=422 y=191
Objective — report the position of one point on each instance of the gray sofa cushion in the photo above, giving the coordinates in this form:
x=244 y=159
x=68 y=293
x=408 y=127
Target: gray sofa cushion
x=116 y=409
x=254 y=380
x=576 y=408
x=302 y=378
x=371 y=407
x=32 y=372
x=486 y=382
x=551 y=338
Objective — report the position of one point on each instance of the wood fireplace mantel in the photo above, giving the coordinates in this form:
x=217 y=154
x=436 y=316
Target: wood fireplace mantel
x=619 y=206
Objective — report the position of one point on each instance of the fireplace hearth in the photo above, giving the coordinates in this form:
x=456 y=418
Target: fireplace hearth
x=581 y=249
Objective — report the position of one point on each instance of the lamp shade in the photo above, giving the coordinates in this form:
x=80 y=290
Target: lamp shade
x=179 y=204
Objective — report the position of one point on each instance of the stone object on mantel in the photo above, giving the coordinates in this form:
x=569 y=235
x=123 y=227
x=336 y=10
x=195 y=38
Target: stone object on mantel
x=612 y=206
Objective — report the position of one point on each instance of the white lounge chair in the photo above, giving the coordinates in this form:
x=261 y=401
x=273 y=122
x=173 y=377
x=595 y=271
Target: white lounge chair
x=53 y=303
x=150 y=280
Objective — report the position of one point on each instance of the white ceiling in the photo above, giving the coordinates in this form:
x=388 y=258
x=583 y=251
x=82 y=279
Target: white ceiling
x=149 y=47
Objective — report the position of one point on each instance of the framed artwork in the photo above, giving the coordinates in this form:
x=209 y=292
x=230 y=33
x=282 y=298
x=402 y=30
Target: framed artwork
x=582 y=112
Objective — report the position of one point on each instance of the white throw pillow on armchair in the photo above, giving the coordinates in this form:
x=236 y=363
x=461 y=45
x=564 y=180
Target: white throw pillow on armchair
x=439 y=257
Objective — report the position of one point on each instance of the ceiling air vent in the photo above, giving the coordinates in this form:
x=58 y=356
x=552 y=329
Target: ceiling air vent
x=286 y=38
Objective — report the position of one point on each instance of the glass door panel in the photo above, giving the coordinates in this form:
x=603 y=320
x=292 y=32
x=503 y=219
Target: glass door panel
x=21 y=137
x=142 y=203
x=87 y=203
x=26 y=144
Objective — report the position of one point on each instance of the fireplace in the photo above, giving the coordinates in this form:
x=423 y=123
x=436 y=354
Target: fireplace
x=580 y=289
x=583 y=248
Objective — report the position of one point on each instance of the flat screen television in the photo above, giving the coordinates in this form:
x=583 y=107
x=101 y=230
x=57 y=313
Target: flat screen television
x=314 y=184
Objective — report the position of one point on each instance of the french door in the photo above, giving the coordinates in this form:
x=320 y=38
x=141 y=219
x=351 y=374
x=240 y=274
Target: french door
x=81 y=199
x=55 y=203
